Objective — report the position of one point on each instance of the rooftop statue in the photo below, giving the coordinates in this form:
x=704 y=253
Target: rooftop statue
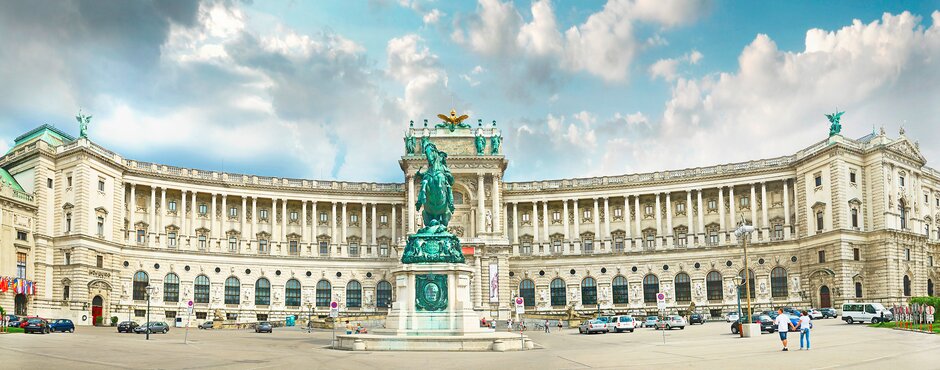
x=495 y=140
x=410 y=140
x=83 y=121
x=835 y=128
x=453 y=122
x=433 y=243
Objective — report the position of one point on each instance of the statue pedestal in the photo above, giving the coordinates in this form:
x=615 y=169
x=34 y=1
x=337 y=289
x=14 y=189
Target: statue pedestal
x=433 y=312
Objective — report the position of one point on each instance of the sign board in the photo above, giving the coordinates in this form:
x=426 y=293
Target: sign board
x=661 y=300
x=334 y=313
x=494 y=283
x=520 y=305
x=190 y=303
x=930 y=311
x=334 y=305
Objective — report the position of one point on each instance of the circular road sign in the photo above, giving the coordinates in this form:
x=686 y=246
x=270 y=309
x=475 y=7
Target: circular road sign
x=190 y=303
x=519 y=301
x=333 y=304
x=660 y=296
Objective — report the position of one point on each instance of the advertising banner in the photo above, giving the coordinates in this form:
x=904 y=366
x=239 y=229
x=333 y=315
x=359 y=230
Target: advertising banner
x=494 y=283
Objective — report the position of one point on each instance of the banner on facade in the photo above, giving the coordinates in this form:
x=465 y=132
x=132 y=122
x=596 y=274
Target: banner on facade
x=494 y=283
x=17 y=285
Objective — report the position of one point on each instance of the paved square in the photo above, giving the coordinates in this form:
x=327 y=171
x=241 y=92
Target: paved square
x=709 y=346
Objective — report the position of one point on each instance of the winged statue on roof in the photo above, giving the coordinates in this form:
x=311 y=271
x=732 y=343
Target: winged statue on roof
x=835 y=127
x=453 y=122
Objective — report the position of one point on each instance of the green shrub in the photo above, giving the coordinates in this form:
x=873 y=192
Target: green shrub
x=932 y=301
x=114 y=320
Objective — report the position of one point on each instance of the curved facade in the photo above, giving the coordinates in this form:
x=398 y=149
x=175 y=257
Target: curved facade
x=840 y=220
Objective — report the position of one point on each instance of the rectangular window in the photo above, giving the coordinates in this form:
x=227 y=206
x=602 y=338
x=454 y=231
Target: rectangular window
x=21 y=265
x=262 y=246
x=99 y=261
x=649 y=210
x=587 y=213
x=231 y=316
x=172 y=206
x=202 y=242
x=232 y=244
x=680 y=207
x=525 y=217
x=100 y=226
x=854 y=217
x=68 y=222
x=618 y=212
x=294 y=248
x=65 y=292
x=818 y=180
x=263 y=214
x=681 y=239
x=141 y=236
x=49 y=183
x=618 y=245
x=101 y=185
x=69 y=181
x=233 y=212
x=588 y=247
x=21 y=235
x=353 y=219
x=713 y=238
x=324 y=248
x=140 y=313
x=383 y=219
x=819 y=221
x=556 y=247
x=822 y=256
x=907 y=254
x=203 y=209
x=712 y=205
x=745 y=202
x=526 y=249
x=926 y=199
x=778 y=232
x=354 y=249
x=852 y=177
x=200 y=315
x=856 y=254
x=294 y=215
x=383 y=250
x=171 y=238
x=930 y=261
x=170 y=314
x=901 y=181
x=68 y=258
x=324 y=217
x=650 y=241
x=261 y=317
x=556 y=216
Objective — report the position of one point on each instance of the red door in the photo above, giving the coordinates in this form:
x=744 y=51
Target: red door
x=96 y=310
x=824 y=297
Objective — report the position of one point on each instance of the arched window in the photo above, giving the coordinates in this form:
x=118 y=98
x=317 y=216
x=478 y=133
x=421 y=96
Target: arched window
x=750 y=278
x=778 y=282
x=383 y=294
x=621 y=290
x=558 y=292
x=292 y=293
x=527 y=292
x=858 y=289
x=588 y=291
x=141 y=281
x=902 y=210
x=201 y=289
x=713 y=286
x=929 y=288
x=171 y=288
x=232 y=290
x=324 y=293
x=650 y=288
x=262 y=292
x=907 y=286
x=683 y=287
x=353 y=294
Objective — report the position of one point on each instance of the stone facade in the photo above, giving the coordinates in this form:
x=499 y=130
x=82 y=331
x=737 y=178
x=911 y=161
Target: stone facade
x=841 y=220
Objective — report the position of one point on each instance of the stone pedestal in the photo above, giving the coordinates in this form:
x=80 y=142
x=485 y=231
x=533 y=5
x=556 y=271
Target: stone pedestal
x=455 y=317
x=750 y=330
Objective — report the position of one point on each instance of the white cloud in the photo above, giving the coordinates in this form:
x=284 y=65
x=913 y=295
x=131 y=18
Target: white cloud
x=432 y=17
x=667 y=68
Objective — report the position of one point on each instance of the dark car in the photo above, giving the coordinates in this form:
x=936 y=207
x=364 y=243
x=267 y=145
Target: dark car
x=127 y=327
x=154 y=327
x=62 y=325
x=263 y=327
x=766 y=324
x=696 y=318
x=829 y=312
x=36 y=325
x=206 y=325
x=13 y=321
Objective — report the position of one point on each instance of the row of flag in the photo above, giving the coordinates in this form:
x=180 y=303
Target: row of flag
x=17 y=285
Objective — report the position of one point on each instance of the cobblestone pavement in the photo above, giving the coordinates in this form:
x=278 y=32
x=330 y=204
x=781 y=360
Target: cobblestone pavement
x=709 y=346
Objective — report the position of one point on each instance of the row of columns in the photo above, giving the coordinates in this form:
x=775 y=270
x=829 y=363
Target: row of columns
x=188 y=225
x=481 y=208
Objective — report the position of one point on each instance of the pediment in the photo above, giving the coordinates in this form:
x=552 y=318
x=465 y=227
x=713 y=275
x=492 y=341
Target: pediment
x=904 y=147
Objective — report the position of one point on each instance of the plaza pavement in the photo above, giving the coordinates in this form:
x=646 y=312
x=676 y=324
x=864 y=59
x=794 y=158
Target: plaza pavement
x=709 y=346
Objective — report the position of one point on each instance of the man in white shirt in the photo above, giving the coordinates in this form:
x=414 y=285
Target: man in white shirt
x=783 y=326
x=805 y=325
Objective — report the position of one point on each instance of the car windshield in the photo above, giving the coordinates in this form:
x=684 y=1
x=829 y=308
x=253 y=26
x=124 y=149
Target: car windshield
x=35 y=321
x=650 y=318
x=626 y=319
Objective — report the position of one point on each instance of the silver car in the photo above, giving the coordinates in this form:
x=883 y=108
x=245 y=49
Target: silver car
x=592 y=326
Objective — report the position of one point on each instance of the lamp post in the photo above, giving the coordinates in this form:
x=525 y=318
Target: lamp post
x=150 y=290
x=744 y=233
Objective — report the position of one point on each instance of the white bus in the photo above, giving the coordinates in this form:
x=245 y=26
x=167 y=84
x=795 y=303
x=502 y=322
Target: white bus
x=865 y=312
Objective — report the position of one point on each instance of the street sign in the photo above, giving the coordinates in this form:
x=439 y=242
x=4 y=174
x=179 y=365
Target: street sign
x=520 y=305
x=334 y=305
x=661 y=300
x=190 y=303
x=334 y=312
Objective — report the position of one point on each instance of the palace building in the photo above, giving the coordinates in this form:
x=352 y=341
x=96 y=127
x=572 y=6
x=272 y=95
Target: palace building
x=84 y=231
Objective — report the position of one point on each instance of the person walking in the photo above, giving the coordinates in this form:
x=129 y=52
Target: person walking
x=806 y=324
x=547 y=327
x=509 y=324
x=783 y=326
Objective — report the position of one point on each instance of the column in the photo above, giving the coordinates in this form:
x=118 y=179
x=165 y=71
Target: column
x=375 y=222
x=333 y=236
x=411 y=204
x=721 y=209
x=133 y=206
x=734 y=220
x=564 y=220
x=765 y=224
x=626 y=219
x=303 y=221
x=182 y=214
x=242 y=214
x=577 y=221
x=481 y=208
x=535 y=222
x=478 y=281
x=688 y=218
x=701 y=215
x=752 y=204
x=659 y=219
x=152 y=211
x=786 y=209
x=669 y=229
x=224 y=215
x=392 y=223
x=192 y=217
x=636 y=214
x=162 y=210
x=515 y=223
x=212 y=231
x=342 y=226
x=545 y=238
x=597 y=227
x=283 y=219
x=497 y=188
x=254 y=217
x=607 y=218
x=362 y=227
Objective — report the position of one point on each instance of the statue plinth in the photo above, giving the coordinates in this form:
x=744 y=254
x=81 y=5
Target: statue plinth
x=432 y=245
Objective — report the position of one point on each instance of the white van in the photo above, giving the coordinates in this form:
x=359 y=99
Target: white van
x=865 y=312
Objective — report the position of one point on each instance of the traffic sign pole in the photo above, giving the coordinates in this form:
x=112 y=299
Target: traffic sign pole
x=661 y=304
x=189 y=317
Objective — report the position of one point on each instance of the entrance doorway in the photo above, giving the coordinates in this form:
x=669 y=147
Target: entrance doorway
x=19 y=305
x=824 y=301
x=96 y=304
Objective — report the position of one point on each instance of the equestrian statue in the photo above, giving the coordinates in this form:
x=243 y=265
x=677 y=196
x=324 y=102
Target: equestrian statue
x=433 y=243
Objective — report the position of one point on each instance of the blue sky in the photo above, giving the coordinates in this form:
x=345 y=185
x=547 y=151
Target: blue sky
x=580 y=88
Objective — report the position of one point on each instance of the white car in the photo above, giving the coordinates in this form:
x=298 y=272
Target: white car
x=815 y=314
x=731 y=317
x=592 y=326
x=669 y=322
x=621 y=323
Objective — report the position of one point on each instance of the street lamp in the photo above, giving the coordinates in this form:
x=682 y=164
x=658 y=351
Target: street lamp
x=743 y=232
x=150 y=290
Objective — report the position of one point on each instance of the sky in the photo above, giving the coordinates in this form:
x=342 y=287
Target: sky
x=325 y=89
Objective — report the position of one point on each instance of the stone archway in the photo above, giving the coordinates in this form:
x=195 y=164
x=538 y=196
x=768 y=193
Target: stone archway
x=100 y=293
x=20 y=305
x=97 y=309
x=819 y=279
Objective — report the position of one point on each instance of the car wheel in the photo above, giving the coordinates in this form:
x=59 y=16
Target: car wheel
x=682 y=328
x=165 y=331
x=849 y=320
x=668 y=327
x=875 y=320
x=734 y=330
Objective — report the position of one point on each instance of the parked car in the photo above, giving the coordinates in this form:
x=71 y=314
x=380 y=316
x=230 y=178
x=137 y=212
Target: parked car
x=36 y=325
x=732 y=316
x=865 y=312
x=621 y=323
x=670 y=322
x=127 y=326
x=828 y=313
x=13 y=321
x=206 y=325
x=62 y=325
x=592 y=326
x=25 y=321
x=814 y=314
x=696 y=318
x=263 y=327
x=650 y=322
x=154 y=327
x=766 y=324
